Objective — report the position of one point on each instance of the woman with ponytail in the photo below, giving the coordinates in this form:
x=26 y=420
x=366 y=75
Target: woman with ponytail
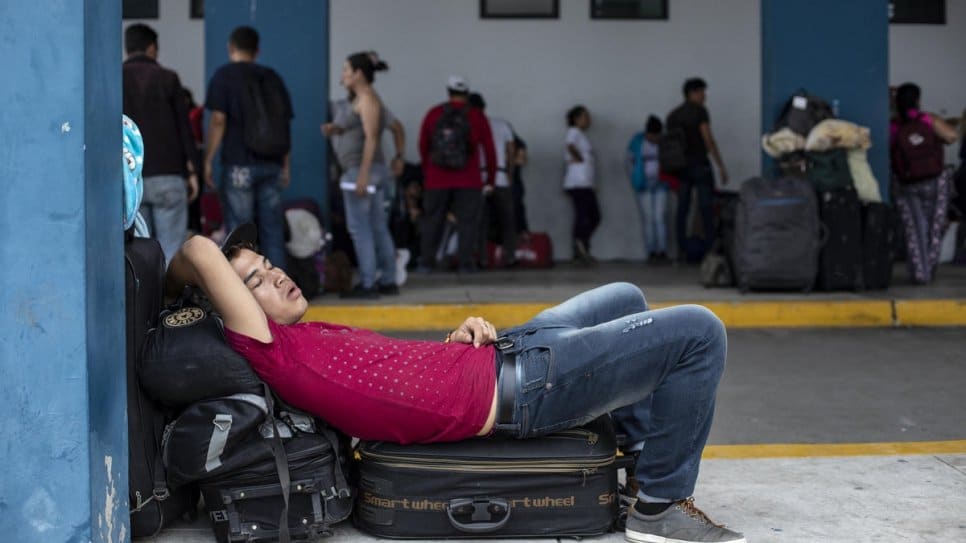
x=366 y=175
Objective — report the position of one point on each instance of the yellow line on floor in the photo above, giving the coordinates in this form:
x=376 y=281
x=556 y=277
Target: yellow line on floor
x=814 y=450
x=931 y=312
x=748 y=314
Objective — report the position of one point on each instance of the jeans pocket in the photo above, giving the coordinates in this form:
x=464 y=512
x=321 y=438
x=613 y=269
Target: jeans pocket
x=535 y=366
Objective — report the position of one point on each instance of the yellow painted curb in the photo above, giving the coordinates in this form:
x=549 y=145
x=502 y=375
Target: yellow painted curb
x=813 y=450
x=931 y=312
x=784 y=314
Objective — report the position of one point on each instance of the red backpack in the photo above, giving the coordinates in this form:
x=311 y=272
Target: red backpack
x=917 y=153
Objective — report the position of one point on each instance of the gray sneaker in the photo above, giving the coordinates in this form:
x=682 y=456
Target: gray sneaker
x=681 y=523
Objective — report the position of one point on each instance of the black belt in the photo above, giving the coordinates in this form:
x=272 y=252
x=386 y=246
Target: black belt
x=506 y=386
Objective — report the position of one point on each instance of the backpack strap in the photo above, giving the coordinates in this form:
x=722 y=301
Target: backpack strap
x=281 y=466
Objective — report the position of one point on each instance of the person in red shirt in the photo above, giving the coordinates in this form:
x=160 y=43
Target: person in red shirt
x=449 y=141
x=600 y=351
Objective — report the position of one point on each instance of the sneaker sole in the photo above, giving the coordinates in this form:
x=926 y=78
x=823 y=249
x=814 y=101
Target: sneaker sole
x=640 y=537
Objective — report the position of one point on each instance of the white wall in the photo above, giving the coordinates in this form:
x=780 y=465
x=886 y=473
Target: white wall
x=181 y=42
x=532 y=71
x=933 y=57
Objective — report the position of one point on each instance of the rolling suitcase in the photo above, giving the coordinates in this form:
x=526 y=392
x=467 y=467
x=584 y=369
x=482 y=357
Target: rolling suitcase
x=246 y=504
x=840 y=260
x=563 y=484
x=878 y=244
x=152 y=505
x=776 y=234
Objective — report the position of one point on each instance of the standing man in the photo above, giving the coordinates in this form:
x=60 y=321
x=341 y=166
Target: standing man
x=500 y=204
x=250 y=115
x=449 y=142
x=153 y=99
x=691 y=118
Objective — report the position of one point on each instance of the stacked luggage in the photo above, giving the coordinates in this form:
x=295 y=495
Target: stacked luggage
x=200 y=419
x=822 y=224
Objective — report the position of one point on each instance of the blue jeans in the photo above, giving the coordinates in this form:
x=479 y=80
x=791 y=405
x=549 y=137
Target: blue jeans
x=652 y=207
x=697 y=176
x=165 y=210
x=603 y=350
x=369 y=228
x=254 y=194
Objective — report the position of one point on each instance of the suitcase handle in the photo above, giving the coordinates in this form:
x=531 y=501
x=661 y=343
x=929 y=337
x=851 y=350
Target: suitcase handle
x=482 y=511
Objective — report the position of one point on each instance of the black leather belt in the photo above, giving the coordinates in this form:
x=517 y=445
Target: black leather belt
x=506 y=386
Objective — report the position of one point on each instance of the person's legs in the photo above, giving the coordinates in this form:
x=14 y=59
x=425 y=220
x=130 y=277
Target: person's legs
x=358 y=213
x=570 y=375
x=658 y=212
x=268 y=213
x=519 y=208
x=914 y=224
x=385 y=249
x=939 y=195
x=644 y=200
x=435 y=205
x=167 y=197
x=467 y=206
x=503 y=202
x=705 y=187
x=239 y=196
x=684 y=208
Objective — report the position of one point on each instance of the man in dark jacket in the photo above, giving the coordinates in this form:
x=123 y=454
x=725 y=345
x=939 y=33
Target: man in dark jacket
x=153 y=98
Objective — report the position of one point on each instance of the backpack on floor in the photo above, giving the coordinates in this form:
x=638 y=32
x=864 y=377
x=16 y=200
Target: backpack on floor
x=449 y=146
x=916 y=152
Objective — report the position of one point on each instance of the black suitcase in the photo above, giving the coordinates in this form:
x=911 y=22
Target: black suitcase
x=152 y=506
x=878 y=244
x=776 y=235
x=563 y=484
x=840 y=260
x=246 y=504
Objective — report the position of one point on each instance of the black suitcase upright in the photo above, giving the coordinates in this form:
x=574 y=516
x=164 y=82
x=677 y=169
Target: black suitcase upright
x=152 y=506
x=246 y=503
x=840 y=260
x=563 y=484
x=878 y=244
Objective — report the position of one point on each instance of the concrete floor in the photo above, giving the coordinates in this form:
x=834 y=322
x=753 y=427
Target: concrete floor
x=817 y=387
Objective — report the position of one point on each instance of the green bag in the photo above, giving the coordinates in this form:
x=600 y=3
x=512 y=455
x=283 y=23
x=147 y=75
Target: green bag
x=828 y=170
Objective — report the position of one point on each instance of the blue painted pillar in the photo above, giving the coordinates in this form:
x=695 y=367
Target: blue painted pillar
x=63 y=431
x=836 y=49
x=294 y=41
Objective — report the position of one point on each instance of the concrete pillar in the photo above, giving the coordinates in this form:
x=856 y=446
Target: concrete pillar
x=63 y=432
x=294 y=41
x=836 y=49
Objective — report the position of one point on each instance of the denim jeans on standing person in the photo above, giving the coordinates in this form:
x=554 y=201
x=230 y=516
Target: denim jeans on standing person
x=254 y=194
x=165 y=210
x=652 y=206
x=700 y=177
x=368 y=226
x=603 y=350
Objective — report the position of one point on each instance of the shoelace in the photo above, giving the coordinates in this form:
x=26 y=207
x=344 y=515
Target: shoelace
x=692 y=511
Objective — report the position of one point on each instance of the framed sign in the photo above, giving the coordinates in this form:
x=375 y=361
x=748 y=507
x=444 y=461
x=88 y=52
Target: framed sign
x=917 y=12
x=139 y=9
x=197 y=9
x=519 y=9
x=629 y=9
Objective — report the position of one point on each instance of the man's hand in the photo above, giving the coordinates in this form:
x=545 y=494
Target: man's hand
x=284 y=177
x=209 y=176
x=192 y=186
x=488 y=190
x=474 y=330
x=331 y=129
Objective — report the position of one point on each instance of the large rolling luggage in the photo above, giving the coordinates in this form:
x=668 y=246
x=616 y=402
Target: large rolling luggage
x=776 y=234
x=152 y=506
x=878 y=244
x=840 y=260
x=563 y=484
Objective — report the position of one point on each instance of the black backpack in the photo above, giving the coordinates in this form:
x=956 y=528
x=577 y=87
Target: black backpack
x=672 y=150
x=265 y=110
x=802 y=112
x=449 y=146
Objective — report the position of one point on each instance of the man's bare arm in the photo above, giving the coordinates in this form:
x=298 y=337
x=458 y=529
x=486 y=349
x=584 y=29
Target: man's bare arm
x=712 y=147
x=200 y=262
x=216 y=131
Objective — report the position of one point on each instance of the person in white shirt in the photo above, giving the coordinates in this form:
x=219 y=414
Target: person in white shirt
x=500 y=204
x=578 y=182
